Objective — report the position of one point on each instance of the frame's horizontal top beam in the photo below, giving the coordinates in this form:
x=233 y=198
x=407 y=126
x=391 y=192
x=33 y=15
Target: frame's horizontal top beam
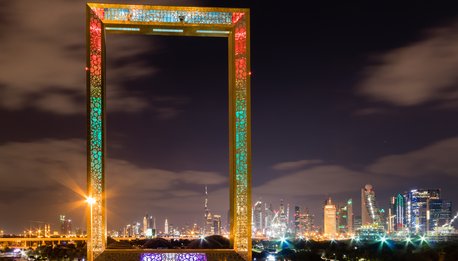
x=184 y=16
x=171 y=8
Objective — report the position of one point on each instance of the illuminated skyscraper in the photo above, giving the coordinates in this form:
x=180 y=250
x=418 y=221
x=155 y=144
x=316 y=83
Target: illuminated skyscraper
x=166 y=227
x=297 y=221
x=258 y=218
x=208 y=219
x=287 y=215
x=206 y=211
x=330 y=227
x=217 y=225
x=282 y=214
x=268 y=219
x=47 y=232
x=145 y=224
x=150 y=222
x=399 y=209
x=391 y=220
x=154 y=224
x=416 y=211
x=345 y=217
x=128 y=231
x=438 y=213
x=65 y=225
x=307 y=221
x=303 y=222
x=350 y=221
x=283 y=219
x=369 y=212
x=136 y=228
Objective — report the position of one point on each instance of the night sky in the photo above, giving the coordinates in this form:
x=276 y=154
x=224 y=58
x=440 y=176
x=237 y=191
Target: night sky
x=343 y=95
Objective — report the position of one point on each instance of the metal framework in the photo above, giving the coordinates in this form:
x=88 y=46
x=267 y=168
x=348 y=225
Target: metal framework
x=231 y=23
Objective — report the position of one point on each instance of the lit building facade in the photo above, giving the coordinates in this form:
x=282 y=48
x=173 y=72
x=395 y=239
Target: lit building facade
x=399 y=212
x=258 y=218
x=217 y=229
x=145 y=224
x=330 y=218
x=307 y=220
x=47 y=230
x=65 y=225
x=345 y=217
x=282 y=215
x=416 y=208
x=297 y=223
x=370 y=214
x=439 y=213
x=357 y=223
x=268 y=217
x=303 y=222
x=350 y=221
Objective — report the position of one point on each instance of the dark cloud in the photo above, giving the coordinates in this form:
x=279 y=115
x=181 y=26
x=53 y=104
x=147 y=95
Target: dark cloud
x=435 y=159
x=421 y=72
x=319 y=180
x=430 y=162
x=43 y=61
x=54 y=172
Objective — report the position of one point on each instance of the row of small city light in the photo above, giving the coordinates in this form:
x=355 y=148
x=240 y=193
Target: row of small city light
x=382 y=239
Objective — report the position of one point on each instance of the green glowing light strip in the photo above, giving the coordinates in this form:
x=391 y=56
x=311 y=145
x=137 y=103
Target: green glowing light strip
x=212 y=32
x=167 y=30
x=122 y=28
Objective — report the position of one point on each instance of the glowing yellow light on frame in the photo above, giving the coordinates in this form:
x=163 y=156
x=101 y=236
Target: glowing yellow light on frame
x=90 y=200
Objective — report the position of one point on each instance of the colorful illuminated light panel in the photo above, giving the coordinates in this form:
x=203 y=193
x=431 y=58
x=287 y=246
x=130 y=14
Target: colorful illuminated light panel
x=173 y=257
x=171 y=20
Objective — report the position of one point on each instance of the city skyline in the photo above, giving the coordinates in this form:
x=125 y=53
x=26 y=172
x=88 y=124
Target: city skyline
x=364 y=96
x=345 y=216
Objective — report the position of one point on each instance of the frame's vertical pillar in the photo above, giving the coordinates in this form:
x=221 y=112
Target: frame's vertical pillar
x=240 y=128
x=96 y=227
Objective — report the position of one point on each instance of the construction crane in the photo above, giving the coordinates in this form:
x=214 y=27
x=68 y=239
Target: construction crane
x=449 y=224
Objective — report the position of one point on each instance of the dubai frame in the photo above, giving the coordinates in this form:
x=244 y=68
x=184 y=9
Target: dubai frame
x=232 y=23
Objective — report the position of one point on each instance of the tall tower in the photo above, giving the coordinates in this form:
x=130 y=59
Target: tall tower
x=145 y=224
x=206 y=204
x=150 y=222
x=330 y=217
x=440 y=213
x=217 y=225
x=258 y=217
x=369 y=211
x=166 y=227
x=287 y=213
x=307 y=221
x=208 y=219
x=154 y=223
x=283 y=219
x=345 y=217
x=399 y=212
x=297 y=223
x=350 y=216
x=63 y=229
x=416 y=211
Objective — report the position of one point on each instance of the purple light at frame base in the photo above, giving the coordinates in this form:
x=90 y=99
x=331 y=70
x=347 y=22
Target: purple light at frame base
x=173 y=257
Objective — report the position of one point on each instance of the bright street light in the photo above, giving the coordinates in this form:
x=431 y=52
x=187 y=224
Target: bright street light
x=90 y=200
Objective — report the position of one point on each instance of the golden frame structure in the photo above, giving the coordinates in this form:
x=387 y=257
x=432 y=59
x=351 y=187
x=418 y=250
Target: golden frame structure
x=232 y=23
